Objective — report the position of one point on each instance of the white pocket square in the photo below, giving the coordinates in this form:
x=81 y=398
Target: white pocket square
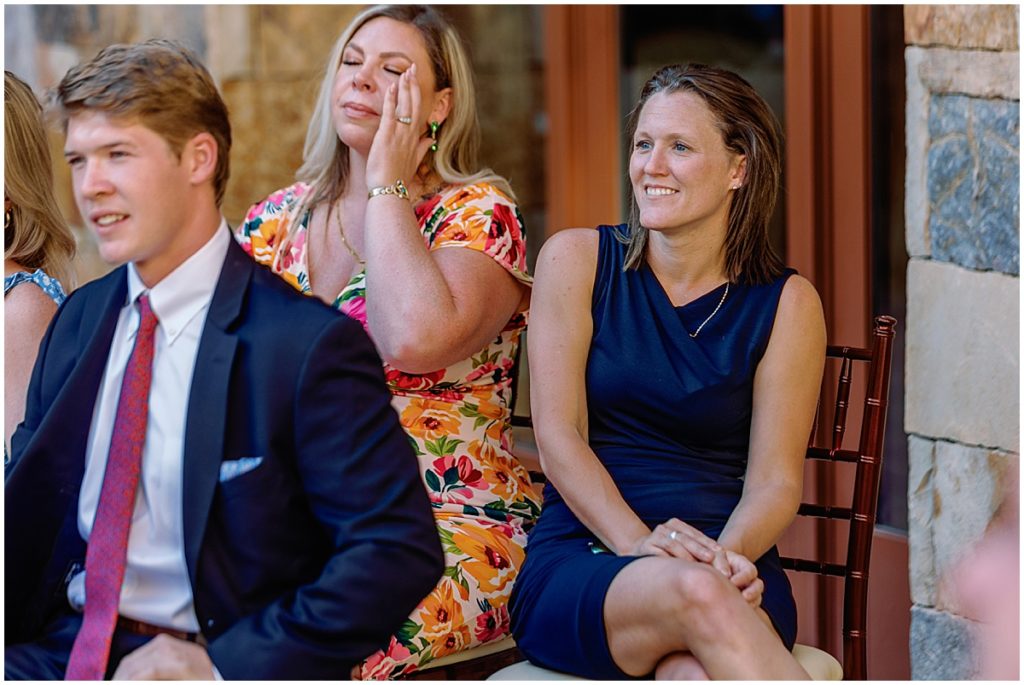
x=234 y=468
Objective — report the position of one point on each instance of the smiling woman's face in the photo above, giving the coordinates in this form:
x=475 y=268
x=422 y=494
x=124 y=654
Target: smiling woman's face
x=681 y=171
x=374 y=58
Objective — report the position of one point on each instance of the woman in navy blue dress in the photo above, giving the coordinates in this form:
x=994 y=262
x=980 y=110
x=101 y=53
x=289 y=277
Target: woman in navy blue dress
x=675 y=367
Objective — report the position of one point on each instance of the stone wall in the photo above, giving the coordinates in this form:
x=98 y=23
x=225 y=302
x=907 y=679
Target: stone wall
x=963 y=305
x=268 y=61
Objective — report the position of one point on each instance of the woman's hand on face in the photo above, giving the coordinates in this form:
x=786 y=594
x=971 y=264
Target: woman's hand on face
x=398 y=148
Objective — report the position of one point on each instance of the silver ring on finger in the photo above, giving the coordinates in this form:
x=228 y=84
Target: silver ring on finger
x=672 y=535
x=404 y=120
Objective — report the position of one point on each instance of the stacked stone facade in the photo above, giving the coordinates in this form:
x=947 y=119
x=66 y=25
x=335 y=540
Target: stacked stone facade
x=963 y=306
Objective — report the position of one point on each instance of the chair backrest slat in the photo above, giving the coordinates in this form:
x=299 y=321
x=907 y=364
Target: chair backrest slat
x=842 y=403
x=825 y=512
x=809 y=566
x=848 y=456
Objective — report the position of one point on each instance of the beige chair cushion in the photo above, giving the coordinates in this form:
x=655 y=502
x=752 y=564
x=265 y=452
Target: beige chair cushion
x=818 y=664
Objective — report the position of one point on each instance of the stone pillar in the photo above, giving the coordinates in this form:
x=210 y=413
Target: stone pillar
x=963 y=304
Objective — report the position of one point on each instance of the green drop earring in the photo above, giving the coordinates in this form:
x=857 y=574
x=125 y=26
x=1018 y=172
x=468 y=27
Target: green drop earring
x=433 y=135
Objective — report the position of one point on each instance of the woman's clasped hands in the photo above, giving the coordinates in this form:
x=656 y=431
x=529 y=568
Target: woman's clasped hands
x=674 y=538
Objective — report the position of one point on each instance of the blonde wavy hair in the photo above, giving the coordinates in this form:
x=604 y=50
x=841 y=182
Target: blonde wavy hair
x=325 y=157
x=35 y=235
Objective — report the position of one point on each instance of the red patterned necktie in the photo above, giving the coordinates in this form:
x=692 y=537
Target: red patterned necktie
x=107 y=551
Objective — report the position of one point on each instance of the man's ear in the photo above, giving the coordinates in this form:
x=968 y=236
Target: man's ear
x=200 y=154
x=442 y=106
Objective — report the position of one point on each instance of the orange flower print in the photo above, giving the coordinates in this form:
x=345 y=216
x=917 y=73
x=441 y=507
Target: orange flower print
x=425 y=420
x=492 y=410
x=451 y=231
x=466 y=194
x=463 y=226
x=452 y=642
x=495 y=413
x=441 y=612
x=494 y=559
x=259 y=246
x=497 y=470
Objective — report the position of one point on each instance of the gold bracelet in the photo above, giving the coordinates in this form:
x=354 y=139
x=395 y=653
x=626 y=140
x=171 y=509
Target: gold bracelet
x=397 y=189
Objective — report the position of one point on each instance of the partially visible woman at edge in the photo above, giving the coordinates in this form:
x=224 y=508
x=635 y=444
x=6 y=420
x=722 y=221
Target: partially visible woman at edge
x=38 y=246
x=394 y=223
x=675 y=367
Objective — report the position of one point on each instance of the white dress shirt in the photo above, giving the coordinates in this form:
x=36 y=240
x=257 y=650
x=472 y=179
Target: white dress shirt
x=156 y=585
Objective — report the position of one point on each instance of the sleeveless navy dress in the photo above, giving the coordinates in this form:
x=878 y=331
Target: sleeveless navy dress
x=669 y=418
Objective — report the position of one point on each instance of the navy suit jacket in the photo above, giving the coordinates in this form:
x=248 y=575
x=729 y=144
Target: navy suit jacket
x=299 y=568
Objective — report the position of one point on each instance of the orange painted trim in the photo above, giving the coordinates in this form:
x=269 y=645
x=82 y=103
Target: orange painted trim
x=581 y=89
x=828 y=219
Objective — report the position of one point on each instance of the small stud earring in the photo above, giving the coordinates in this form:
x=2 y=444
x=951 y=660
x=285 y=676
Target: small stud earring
x=433 y=135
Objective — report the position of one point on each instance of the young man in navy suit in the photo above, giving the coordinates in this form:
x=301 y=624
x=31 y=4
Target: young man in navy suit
x=209 y=480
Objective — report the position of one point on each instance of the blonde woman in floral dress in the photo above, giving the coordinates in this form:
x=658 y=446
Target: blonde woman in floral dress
x=393 y=223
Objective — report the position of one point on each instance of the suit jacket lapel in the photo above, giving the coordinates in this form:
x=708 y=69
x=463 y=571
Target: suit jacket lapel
x=208 y=399
x=68 y=407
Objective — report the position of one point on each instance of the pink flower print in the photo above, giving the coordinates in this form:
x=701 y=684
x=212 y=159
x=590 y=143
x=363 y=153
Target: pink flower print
x=382 y=665
x=355 y=308
x=459 y=475
x=504 y=239
x=492 y=625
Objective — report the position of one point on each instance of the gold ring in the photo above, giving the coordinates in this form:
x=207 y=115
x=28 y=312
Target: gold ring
x=404 y=120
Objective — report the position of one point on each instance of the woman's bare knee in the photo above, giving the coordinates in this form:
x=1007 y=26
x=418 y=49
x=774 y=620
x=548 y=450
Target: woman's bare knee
x=642 y=612
x=680 y=666
x=699 y=588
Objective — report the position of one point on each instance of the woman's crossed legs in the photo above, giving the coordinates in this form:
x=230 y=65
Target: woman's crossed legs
x=684 y=620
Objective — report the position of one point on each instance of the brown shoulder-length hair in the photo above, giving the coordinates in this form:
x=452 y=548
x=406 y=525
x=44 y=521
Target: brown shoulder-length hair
x=35 y=234
x=162 y=84
x=749 y=128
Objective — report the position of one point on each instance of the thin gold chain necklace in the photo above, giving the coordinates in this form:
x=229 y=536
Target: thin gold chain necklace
x=336 y=210
x=720 y=303
x=344 y=241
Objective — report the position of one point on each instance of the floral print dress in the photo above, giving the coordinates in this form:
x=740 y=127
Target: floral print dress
x=457 y=419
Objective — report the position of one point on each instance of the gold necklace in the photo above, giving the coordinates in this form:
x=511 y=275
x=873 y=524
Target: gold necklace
x=344 y=241
x=341 y=232
x=720 y=302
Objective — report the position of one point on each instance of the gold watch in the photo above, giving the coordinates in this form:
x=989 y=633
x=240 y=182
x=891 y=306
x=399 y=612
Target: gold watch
x=397 y=189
